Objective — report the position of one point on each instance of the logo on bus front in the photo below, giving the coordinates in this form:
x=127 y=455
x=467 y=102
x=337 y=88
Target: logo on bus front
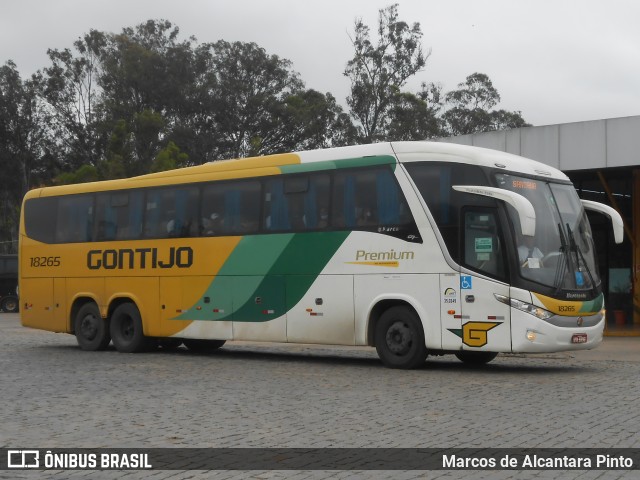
x=475 y=334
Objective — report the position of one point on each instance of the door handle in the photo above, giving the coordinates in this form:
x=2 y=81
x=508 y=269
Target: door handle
x=469 y=298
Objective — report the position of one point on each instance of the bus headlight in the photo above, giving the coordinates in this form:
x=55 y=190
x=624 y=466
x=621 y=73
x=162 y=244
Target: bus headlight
x=534 y=310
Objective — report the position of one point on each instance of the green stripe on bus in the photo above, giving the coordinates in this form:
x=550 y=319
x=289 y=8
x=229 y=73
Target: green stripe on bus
x=251 y=284
x=339 y=164
x=594 y=305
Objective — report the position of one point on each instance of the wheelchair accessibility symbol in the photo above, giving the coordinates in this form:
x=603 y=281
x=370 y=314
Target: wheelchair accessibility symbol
x=465 y=282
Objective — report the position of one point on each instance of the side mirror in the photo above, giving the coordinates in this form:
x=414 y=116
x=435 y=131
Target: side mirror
x=525 y=210
x=614 y=216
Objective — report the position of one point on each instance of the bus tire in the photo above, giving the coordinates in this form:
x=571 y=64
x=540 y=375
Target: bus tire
x=399 y=338
x=476 y=358
x=126 y=330
x=203 y=346
x=92 y=331
x=10 y=304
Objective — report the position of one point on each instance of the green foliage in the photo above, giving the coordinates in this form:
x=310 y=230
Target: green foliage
x=169 y=158
x=25 y=143
x=86 y=173
x=471 y=108
x=378 y=72
x=145 y=99
x=250 y=91
x=383 y=111
x=415 y=116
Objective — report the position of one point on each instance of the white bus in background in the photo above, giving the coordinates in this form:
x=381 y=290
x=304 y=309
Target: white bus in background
x=415 y=248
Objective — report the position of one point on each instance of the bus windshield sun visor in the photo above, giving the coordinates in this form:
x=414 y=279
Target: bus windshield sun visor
x=525 y=209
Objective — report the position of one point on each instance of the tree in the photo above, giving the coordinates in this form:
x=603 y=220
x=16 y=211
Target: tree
x=314 y=120
x=147 y=74
x=24 y=148
x=249 y=97
x=378 y=72
x=71 y=93
x=169 y=158
x=471 y=108
x=415 y=116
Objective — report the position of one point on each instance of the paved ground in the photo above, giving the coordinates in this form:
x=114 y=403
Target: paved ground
x=255 y=395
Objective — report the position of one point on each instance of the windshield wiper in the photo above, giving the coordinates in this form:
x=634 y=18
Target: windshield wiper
x=580 y=259
x=562 y=263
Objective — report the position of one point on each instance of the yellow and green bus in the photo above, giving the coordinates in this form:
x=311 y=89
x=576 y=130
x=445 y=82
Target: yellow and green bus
x=412 y=247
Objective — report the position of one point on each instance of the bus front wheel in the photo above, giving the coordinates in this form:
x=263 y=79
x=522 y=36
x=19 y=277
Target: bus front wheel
x=126 y=330
x=92 y=332
x=399 y=338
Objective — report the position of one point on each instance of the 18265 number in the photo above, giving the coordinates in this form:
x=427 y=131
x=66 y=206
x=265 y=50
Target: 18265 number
x=45 y=261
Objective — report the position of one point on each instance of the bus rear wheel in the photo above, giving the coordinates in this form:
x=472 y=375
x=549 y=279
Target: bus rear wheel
x=399 y=338
x=126 y=330
x=92 y=332
x=476 y=358
x=203 y=346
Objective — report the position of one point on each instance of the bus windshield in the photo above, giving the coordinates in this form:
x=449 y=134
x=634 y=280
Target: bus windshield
x=561 y=254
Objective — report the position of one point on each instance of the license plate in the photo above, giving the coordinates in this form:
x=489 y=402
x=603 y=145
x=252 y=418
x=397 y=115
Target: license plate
x=579 y=338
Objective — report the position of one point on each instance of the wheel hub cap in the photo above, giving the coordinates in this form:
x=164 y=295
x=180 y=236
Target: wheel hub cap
x=399 y=338
x=88 y=328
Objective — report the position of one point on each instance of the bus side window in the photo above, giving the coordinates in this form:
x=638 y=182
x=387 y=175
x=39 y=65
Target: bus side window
x=316 y=202
x=276 y=206
x=40 y=218
x=212 y=208
x=354 y=199
x=482 y=244
x=75 y=219
x=230 y=208
x=119 y=215
x=434 y=181
x=368 y=198
x=296 y=203
x=172 y=212
x=185 y=212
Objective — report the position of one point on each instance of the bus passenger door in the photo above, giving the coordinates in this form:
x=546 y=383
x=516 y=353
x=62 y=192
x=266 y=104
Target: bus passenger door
x=485 y=322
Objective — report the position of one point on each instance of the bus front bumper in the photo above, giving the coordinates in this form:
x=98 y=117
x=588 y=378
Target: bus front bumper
x=532 y=335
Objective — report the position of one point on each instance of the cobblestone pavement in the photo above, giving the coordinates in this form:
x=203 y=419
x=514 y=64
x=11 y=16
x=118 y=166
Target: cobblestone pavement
x=258 y=395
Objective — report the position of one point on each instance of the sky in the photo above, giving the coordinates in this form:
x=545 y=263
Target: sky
x=556 y=61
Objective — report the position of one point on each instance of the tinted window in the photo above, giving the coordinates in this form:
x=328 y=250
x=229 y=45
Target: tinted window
x=75 y=219
x=368 y=198
x=171 y=212
x=40 y=218
x=119 y=215
x=231 y=208
x=483 y=246
x=297 y=203
x=434 y=181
